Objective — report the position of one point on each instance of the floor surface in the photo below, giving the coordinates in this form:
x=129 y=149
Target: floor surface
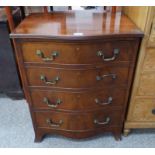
x=16 y=131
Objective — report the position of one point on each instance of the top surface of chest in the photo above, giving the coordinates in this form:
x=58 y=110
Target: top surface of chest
x=76 y=25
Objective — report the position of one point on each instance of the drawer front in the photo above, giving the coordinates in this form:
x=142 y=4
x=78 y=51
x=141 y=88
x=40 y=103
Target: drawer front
x=76 y=101
x=149 y=61
x=143 y=109
x=77 y=53
x=78 y=121
x=82 y=78
x=147 y=84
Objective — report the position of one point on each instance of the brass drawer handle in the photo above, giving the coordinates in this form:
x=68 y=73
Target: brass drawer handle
x=51 y=82
x=115 y=54
x=46 y=100
x=113 y=76
x=107 y=120
x=54 y=54
x=153 y=111
x=104 y=103
x=54 y=124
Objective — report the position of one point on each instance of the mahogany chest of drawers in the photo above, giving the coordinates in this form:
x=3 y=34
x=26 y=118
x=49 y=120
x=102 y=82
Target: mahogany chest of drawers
x=77 y=70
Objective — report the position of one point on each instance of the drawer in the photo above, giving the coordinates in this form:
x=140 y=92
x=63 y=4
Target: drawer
x=143 y=109
x=147 y=84
x=76 y=101
x=149 y=61
x=77 y=53
x=77 y=78
x=78 y=121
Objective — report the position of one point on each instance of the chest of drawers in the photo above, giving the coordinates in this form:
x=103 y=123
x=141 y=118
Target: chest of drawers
x=141 y=110
x=77 y=74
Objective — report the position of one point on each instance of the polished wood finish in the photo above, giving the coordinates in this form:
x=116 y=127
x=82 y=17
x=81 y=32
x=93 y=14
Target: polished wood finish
x=78 y=101
x=71 y=78
x=10 y=19
x=78 y=53
x=141 y=107
x=87 y=98
x=40 y=133
x=77 y=122
x=76 y=25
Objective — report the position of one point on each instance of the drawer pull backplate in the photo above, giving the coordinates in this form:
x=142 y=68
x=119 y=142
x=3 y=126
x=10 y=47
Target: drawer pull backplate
x=54 y=124
x=51 y=82
x=52 y=105
x=53 y=55
x=115 y=54
x=113 y=76
x=104 y=103
x=107 y=120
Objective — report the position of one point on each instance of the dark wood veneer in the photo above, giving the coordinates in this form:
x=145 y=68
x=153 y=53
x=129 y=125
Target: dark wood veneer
x=78 y=101
x=81 y=121
x=77 y=65
x=80 y=78
x=77 y=53
x=76 y=25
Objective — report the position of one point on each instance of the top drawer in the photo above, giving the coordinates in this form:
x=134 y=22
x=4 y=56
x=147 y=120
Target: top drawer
x=77 y=53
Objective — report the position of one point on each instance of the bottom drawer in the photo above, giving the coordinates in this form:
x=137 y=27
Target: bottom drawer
x=79 y=121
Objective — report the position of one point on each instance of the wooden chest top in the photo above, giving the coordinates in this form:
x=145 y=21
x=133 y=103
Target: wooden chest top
x=76 y=25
